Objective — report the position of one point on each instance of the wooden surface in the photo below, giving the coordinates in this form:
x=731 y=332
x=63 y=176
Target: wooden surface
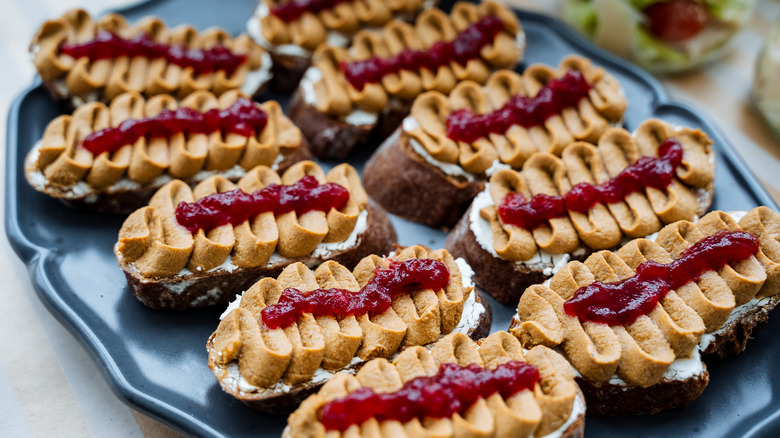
x=48 y=383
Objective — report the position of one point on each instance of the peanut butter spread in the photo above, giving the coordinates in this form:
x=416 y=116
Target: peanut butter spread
x=603 y=107
x=158 y=246
x=312 y=28
x=641 y=352
x=113 y=76
x=604 y=225
x=528 y=413
x=64 y=162
x=291 y=355
x=337 y=97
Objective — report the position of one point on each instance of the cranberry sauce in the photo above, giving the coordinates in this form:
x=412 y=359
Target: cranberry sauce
x=293 y=10
x=107 y=45
x=655 y=172
x=624 y=301
x=374 y=298
x=243 y=117
x=465 y=47
x=236 y=206
x=558 y=94
x=453 y=389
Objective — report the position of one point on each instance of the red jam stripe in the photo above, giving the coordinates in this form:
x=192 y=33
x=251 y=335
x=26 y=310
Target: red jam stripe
x=243 y=118
x=374 y=298
x=465 y=47
x=558 y=94
x=453 y=389
x=107 y=45
x=293 y=10
x=622 y=302
x=655 y=172
x=236 y=206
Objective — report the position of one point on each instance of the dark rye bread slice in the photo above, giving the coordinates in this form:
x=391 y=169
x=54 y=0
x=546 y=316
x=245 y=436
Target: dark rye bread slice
x=287 y=71
x=125 y=199
x=504 y=280
x=608 y=399
x=331 y=138
x=220 y=286
x=402 y=182
x=288 y=400
x=732 y=338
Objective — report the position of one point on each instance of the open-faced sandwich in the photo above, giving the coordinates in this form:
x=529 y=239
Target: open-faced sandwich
x=526 y=225
x=284 y=337
x=291 y=30
x=431 y=168
x=634 y=322
x=457 y=388
x=349 y=93
x=199 y=247
x=83 y=60
x=112 y=158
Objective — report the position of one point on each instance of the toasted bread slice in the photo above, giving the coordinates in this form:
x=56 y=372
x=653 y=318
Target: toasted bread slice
x=125 y=177
x=170 y=266
x=375 y=105
x=654 y=362
x=507 y=251
x=76 y=81
x=237 y=352
x=550 y=406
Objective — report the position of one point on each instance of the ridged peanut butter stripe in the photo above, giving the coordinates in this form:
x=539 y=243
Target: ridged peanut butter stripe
x=257 y=237
x=555 y=392
x=108 y=168
x=420 y=309
x=673 y=203
x=645 y=352
x=62 y=160
x=745 y=277
x=405 y=84
x=342 y=336
x=382 y=333
x=139 y=74
x=331 y=90
x=764 y=223
x=596 y=227
x=431 y=110
x=710 y=296
x=212 y=247
x=696 y=169
x=478 y=156
x=152 y=239
x=300 y=235
x=462 y=16
x=454 y=295
x=509 y=241
x=543 y=173
x=151 y=156
x=605 y=93
x=432 y=26
x=305 y=335
x=681 y=325
x=583 y=121
x=366 y=45
x=593 y=349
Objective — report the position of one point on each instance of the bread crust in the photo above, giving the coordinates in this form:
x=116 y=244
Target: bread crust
x=404 y=184
x=732 y=338
x=126 y=200
x=187 y=292
x=283 y=402
x=287 y=71
x=606 y=398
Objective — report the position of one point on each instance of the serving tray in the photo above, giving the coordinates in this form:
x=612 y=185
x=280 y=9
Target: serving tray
x=156 y=361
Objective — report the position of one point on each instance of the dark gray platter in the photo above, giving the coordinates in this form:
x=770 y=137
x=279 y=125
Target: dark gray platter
x=156 y=361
